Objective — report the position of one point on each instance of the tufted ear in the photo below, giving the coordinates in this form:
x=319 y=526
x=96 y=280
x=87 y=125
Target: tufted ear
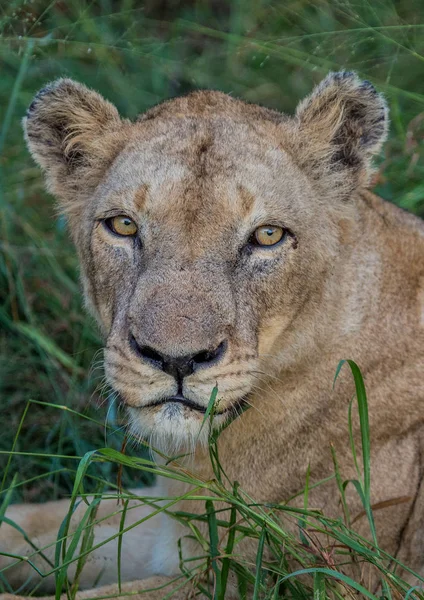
x=74 y=135
x=342 y=124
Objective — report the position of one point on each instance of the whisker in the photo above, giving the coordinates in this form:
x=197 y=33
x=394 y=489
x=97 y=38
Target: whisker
x=268 y=375
x=120 y=428
x=255 y=407
x=221 y=379
x=113 y=363
x=100 y=390
x=111 y=399
x=96 y=362
x=270 y=390
x=212 y=378
x=136 y=382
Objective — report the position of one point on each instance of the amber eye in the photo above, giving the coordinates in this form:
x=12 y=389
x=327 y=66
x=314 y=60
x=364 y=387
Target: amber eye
x=122 y=225
x=267 y=235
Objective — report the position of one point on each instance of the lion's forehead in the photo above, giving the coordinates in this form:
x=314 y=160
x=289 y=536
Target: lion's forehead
x=210 y=170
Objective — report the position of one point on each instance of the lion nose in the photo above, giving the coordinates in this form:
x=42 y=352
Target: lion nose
x=178 y=366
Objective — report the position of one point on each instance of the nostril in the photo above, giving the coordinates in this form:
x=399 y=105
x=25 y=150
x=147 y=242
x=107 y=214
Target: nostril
x=150 y=354
x=208 y=357
x=146 y=353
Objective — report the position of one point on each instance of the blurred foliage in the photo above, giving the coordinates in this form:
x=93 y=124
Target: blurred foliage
x=138 y=54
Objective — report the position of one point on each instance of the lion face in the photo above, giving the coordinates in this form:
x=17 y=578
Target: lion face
x=184 y=300
x=204 y=234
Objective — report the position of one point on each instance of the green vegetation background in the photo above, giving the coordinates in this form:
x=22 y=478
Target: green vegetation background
x=137 y=54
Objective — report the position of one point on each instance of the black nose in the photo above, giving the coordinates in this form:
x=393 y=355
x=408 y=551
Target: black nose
x=181 y=366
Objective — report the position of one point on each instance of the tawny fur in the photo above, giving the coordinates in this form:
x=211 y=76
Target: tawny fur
x=198 y=175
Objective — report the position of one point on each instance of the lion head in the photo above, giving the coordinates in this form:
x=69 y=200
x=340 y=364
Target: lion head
x=206 y=231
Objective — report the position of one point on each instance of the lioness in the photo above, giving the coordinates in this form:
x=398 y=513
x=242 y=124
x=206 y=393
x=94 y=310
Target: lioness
x=224 y=243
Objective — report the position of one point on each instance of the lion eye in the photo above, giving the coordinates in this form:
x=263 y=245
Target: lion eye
x=267 y=235
x=122 y=225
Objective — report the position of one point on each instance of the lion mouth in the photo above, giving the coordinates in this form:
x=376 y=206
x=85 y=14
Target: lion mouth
x=180 y=399
x=237 y=406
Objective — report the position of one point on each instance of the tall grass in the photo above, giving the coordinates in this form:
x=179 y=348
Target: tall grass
x=54 y=405
x=310 y=563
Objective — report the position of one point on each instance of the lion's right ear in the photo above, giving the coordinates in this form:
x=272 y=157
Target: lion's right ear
x=73 y=134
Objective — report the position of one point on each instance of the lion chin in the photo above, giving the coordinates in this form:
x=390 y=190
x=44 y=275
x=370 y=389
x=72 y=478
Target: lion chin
x=175 y=425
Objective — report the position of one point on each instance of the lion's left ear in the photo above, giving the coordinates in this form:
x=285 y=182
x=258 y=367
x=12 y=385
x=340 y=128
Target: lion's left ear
x=342 y=124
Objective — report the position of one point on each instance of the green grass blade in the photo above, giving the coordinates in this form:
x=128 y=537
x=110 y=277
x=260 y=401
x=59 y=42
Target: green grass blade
x=361 y=396
x=8 y=497
x=86 y=528
x=14 y=95
x=228 y=550
x=340 y=486
x=120 y=538
x=28 y=540
x=214 y=550
x=258 y=571
x=48 y=345
x=12 y=452
x=334 y=575
x=209 y=409
x=319 y=586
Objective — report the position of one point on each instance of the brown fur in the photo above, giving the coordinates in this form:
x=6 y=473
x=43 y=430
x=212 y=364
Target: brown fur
x=197 y=175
